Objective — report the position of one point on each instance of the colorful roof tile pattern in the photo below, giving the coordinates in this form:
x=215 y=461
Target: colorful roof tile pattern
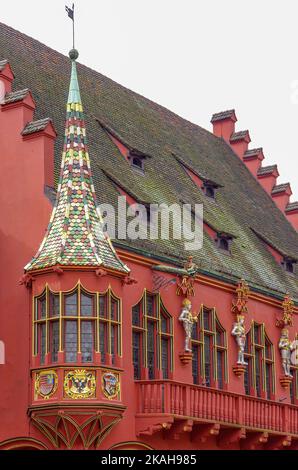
x=241 y=203
x=74 y=236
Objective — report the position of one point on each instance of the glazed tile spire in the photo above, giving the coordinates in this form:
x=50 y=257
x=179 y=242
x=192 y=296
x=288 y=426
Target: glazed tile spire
x=74 y=235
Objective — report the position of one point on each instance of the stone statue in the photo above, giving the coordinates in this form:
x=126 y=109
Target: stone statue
x=188 y=320
x=286 y=346
x=239 y=332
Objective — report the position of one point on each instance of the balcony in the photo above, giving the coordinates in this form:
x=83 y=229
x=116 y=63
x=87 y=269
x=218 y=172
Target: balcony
x=176 y=408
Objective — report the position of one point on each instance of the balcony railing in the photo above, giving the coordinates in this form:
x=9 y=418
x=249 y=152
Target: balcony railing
x=206 y=404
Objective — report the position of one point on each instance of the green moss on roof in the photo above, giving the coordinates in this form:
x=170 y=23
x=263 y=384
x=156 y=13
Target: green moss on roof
x=241 y=204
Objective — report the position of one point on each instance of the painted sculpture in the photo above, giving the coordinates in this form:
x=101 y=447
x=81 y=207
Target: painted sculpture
x=238 y=332
x=188 y=320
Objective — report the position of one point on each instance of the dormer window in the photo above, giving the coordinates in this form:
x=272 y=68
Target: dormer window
x=138 y=163
x=209 y=190
x=223 y=242
x=289 y=265
x=136 y=160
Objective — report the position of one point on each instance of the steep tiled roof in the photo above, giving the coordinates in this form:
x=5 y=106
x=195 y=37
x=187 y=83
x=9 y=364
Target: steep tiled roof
x=36 y=126
x=15 y=96
x=267 y=170
x=241 y=204
x=75 y=233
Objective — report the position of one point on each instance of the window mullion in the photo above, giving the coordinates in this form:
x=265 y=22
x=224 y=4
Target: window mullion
x=144 y=317
x=79 y=317
x=97 y=347
x=47 y=320
x=60 y=322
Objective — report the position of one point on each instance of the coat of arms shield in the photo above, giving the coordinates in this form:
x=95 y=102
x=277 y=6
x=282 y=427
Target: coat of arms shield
x=110 y=385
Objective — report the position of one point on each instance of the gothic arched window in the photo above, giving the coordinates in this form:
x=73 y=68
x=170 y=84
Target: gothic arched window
x=209 y=347
x=152 y=338
x=259 y=377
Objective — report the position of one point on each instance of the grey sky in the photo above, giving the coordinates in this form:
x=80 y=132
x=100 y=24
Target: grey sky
x=193 y=57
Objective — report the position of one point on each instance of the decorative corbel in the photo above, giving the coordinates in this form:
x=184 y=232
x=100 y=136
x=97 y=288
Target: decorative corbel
x=128 y=280
x=100 y=272
x=58 y=270
x=26 y=280
x=185 y=283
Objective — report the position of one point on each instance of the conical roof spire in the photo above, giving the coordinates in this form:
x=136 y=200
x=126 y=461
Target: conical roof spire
x=74 y=235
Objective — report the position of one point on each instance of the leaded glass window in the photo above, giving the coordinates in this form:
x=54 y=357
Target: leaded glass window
x=259 y=354
x=77 y=324
x=152 y=338
x=209 y=350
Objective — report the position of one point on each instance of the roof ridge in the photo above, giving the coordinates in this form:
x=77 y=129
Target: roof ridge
x=119 y=183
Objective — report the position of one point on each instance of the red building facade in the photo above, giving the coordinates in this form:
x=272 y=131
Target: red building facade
x=93 y=344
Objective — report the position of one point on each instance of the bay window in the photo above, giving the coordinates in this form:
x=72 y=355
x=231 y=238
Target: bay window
x=77 y=322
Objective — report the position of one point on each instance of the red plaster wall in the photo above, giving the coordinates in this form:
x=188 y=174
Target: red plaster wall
x=25 y=213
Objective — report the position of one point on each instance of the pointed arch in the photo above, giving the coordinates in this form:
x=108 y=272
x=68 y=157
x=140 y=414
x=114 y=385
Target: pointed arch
x=209 y=346
x=259 y=377
x=152 y=338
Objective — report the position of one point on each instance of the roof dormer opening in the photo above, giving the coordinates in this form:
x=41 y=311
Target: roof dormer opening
x=138 y=163
x=289 y=265
x=223 y=242
x=209 y=190
x=136 y=160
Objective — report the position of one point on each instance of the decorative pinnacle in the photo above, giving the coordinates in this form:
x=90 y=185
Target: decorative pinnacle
x=73 y=54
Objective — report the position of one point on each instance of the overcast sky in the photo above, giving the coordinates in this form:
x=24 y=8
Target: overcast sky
x=194 y=57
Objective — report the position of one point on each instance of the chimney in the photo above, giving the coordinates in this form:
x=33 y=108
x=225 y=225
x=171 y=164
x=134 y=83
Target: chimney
x=253 y=160
x=239 y=142
x=6 y=78
x=224 y=124
x=19 y=107
x=291 y=213
x=267 y=177
x=281 y=195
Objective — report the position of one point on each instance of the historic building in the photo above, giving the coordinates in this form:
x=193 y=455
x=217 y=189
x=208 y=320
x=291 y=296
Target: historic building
x=137 y=344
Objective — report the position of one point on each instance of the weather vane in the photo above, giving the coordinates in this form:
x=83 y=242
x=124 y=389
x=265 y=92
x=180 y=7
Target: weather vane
x=70 y=12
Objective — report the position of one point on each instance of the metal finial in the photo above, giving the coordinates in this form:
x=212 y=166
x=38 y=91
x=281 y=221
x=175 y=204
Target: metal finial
x=73 y=54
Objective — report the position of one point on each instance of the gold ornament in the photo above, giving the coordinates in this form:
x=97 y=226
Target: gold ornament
x=80 y=384
x=185 y=285
x=242 y=291
x=46 y=383
x=288 y=310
